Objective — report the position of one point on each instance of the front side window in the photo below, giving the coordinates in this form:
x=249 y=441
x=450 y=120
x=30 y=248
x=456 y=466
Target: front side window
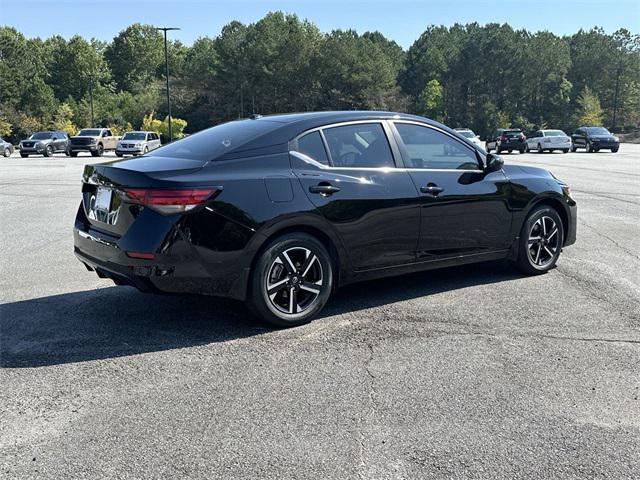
x=430 y=149
x=362 y=145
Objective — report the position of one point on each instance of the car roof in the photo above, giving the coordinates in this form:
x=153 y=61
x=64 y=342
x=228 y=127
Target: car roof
x=139 y=131
x=294 y=124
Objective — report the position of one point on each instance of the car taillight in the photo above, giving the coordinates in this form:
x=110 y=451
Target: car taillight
x=169 y=201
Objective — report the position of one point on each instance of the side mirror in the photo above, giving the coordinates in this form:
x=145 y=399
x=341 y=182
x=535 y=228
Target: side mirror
x=493 y=163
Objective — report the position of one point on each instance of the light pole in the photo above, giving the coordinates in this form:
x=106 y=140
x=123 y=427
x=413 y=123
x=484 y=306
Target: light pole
x=91 y=97
x=166 y=67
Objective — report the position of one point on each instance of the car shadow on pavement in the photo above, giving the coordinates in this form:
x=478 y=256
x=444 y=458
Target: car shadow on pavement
x=119 y=321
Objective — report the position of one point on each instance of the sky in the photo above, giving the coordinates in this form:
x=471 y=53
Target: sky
x=399 y=20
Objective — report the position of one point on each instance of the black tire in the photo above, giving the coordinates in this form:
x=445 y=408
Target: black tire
x=24 y=155
x=565 y=150
x=7 y=152
x=48 y=151
x=521 y=151
x=589 y=147
x=573 y=147
x=119 y=154
x=272 y=266
x=614 y=150
x=99 y=151
x=67 y=152
x=73 y=154
x=528 y=249
x=146 y=150
x=526 y=148
x=510 y=151
x=540 y=150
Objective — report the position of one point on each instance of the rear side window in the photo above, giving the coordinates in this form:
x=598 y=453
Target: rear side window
x=213 y=142
x=312 y=146
x=362 y=145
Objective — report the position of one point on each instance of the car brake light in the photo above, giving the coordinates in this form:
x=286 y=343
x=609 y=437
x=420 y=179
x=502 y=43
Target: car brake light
x=168 y=201
x=141 y=255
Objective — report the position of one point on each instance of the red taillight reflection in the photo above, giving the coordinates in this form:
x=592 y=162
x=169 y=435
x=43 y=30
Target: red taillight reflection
x=142 y=255
x=169 y=201
x=191 y=196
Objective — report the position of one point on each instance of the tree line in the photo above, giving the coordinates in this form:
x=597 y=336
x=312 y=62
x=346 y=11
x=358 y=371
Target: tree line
x=478 y=76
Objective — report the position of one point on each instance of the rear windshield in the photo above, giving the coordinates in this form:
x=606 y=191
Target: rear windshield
x=597 y=131
x=213 y=142
x=466 y=133
x=41 y=136
x=512 y=132
x=134 y=136
x=554 y=133
x=89 y=132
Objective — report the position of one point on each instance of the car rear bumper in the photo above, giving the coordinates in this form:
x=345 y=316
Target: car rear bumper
x=177 y=267
x=605 y=144
x=511 y=146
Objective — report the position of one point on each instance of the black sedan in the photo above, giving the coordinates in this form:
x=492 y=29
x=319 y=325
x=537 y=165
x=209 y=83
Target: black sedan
x=281 y=210
x=594 y=139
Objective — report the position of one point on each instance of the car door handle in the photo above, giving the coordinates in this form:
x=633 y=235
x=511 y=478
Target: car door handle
x=431 y=189
x=325 y=189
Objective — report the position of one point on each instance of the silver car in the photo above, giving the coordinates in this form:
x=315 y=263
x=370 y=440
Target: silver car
x=137 y=143
x=6 y=148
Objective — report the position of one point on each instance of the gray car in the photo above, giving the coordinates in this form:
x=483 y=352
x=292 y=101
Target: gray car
x=5 y=147
x=137 y=143
x=45 y=143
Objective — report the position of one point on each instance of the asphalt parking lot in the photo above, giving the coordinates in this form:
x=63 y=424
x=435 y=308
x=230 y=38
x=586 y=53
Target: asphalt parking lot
x=470 y=372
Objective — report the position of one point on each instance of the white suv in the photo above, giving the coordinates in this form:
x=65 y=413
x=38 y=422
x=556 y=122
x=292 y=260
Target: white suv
x=137 y=143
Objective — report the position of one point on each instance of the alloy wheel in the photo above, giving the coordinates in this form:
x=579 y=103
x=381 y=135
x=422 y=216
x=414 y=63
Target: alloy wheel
x=543 y=243
x=294 y=281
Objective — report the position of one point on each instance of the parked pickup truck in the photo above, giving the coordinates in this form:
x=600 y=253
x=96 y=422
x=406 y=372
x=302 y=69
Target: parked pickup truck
x=93 y=140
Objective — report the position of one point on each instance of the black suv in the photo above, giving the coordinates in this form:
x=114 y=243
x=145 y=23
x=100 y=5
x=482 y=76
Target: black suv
x=45 y=143
x=508 y=139
x=593 y=139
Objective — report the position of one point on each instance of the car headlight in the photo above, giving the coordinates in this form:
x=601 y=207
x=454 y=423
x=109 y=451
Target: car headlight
x=138 y=145
x=92 y=140
x=616 y=139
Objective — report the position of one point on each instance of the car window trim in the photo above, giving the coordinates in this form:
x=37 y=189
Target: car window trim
x=392 y=134
x=395 y=152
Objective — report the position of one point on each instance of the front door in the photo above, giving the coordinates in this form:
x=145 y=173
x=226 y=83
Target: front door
x=464 y=211
x=349 y=173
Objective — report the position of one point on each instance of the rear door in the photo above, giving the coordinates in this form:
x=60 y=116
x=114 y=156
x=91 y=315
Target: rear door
x=464 y=211
x=349 y=173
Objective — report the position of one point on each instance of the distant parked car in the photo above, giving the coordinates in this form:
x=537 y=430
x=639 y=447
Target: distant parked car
x=45 y=143
x=136 y=143
x=549 y=140
x=594 y=138
x=93 y=140
x=5 y=147
x=470 y=135
x=506 y=139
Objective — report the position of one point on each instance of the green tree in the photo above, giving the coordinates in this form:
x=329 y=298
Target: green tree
x=135 y=56
x=430 y=102
x=588 y=111
x=63 y=119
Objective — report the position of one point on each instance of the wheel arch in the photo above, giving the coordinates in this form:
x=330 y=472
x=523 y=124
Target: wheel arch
x=557 y=204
